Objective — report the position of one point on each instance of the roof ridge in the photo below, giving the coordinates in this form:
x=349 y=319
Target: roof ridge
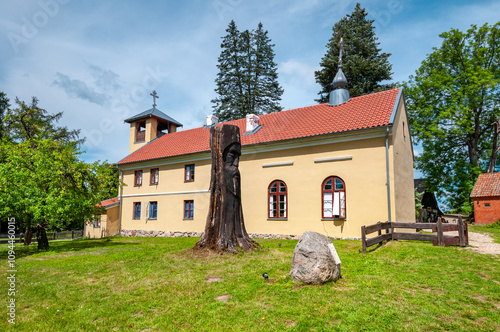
x=361 y=112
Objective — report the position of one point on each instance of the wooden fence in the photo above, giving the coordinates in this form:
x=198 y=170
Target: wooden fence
x=69 y=235
x=438 y=239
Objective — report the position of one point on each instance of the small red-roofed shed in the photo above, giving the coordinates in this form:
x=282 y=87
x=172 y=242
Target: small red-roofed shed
x=486 y=198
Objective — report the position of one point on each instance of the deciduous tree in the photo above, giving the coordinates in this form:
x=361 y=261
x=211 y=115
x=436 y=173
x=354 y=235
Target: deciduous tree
x=43 y=182
x=453 y=101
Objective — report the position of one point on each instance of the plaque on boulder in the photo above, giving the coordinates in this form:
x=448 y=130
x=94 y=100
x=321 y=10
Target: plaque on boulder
x=315 y=260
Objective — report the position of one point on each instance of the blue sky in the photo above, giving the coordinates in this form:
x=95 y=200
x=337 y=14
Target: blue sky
x=97 y=61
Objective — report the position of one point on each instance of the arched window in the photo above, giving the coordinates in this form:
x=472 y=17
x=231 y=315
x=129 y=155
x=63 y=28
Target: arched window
x=333 y=198
x=277 y=200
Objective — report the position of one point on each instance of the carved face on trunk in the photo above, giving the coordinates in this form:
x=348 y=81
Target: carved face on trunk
x=232 y=155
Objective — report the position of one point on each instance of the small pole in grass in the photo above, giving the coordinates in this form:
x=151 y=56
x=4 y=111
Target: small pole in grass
x=363 y=239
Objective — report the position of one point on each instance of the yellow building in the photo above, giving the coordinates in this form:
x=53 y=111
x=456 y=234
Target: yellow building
x=105 y=223
x=329 y=168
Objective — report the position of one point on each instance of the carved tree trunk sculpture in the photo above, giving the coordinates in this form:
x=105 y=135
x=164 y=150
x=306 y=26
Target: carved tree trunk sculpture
x=225 y=228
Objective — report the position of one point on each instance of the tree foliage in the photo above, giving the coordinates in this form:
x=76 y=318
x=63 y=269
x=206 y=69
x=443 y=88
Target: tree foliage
x=247 y=82
x=42 y=179
x=453 y=100
x=28 y=121
x=4 y=105
x=364 y=66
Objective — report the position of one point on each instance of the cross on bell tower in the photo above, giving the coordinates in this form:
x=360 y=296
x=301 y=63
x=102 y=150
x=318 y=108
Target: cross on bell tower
x=154 y=97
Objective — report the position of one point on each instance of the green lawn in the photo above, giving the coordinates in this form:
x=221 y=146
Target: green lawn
x=159 y=284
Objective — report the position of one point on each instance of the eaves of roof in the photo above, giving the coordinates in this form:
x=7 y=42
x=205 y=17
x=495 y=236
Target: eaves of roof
x=363 y=112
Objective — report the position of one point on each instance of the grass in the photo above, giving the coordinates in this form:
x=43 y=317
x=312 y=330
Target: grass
x=159 y=284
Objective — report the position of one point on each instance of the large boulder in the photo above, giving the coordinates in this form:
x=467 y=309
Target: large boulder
x=315 y=260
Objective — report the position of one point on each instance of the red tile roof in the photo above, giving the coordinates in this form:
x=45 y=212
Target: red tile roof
x=368 y=111
x=108 y=202
x=487 y=185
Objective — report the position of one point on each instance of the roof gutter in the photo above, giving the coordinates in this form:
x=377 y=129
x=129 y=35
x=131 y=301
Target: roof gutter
x=396 y=106
x=388 y=174
x=121 y=203
x=389 y=217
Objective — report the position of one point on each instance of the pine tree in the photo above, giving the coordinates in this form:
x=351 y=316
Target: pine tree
x=247 y=82
x=4 y=105
x=229 y=79
x=267 y=90
x=364 y=65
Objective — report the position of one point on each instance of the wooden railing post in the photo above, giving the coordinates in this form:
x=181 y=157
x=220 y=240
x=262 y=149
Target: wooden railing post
x=72 y=235
x=363 y=239
x=440 y=235
x=54 y=235
x=466 y=234
x=461 y=232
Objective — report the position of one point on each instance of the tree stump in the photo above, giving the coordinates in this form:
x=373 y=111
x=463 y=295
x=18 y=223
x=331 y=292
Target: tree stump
x=41 y=236
x=225 y=227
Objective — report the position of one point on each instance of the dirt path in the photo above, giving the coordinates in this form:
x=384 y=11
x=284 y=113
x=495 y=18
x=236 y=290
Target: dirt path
x=483 y=244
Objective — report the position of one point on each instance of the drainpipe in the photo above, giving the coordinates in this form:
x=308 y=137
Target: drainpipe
x=121 y=204
x=388 y=175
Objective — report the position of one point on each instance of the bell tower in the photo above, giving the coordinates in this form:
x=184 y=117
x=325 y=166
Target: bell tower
x=149 y=125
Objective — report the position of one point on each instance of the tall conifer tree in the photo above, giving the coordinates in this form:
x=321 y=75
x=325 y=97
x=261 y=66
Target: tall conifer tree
x=267 y=90
x=364 y=65
x=4 y=105
x=247 y=82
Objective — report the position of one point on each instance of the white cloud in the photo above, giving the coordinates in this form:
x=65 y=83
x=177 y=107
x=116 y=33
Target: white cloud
x=299 y=83
x=105 y=79
x=79 y=89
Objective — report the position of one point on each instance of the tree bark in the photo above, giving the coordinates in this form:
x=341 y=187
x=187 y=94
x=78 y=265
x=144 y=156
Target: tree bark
x=225 y=227
x=494 y=149
x=28 y=234
x=41 y=236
